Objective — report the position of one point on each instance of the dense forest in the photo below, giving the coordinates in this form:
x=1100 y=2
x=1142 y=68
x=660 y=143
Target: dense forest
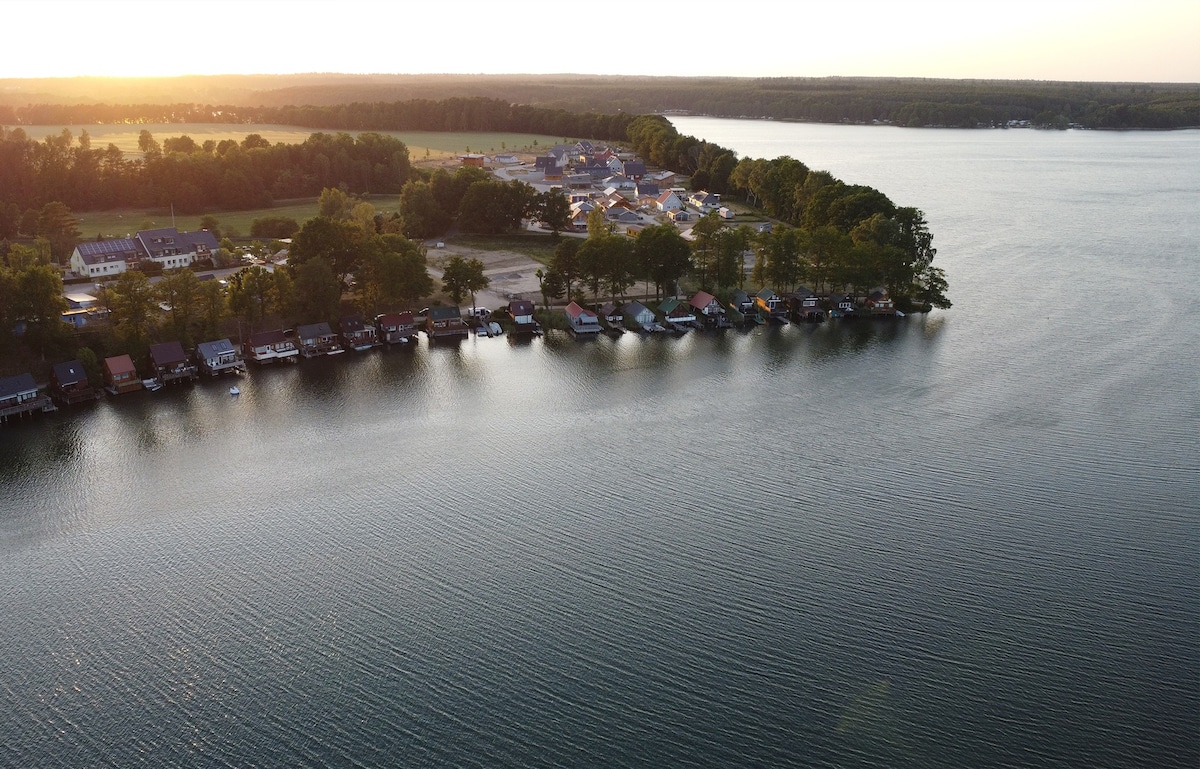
x=348 y=102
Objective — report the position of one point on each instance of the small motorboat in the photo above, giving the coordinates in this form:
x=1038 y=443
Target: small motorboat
x=234 y=390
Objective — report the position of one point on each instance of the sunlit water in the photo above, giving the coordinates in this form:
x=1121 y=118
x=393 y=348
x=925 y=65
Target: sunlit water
x=963 y=539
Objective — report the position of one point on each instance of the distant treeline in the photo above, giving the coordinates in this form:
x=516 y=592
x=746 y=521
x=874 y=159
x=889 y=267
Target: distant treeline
x=195 y=177
x=347 y=102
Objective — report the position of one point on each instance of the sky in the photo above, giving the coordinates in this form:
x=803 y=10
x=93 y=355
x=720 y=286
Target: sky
x=1096 y=40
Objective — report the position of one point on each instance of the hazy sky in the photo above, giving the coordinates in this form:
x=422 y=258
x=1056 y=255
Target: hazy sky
x=1123 y=40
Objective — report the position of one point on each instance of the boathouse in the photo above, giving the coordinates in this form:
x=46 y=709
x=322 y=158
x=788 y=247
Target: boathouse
x=19 y=396
x=218 y=357
x=120 y=375
x=170 y=363
x=270 y=346
x=581 y=320
x=69 y=383
x=444 y=322
x=396 y=327
x=357 y=335
x=316 y=339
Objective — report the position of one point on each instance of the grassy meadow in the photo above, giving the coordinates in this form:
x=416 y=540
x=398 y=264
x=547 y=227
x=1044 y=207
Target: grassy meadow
x=422 y=145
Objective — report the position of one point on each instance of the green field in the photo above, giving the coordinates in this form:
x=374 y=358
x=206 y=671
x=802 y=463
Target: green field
x=422 y=145
x=120 y=223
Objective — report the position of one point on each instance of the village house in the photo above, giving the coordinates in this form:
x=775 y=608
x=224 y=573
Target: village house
x=676 y=314
x=879 y=303
x=104 y=258
x=524 y=322
x=357 y=335
x=396 y=327
x=668 y=201
x=169 y=362
x=581 y=320
x=69 y=383
x=640 y=317
x=172 y=249
x=19 y=396
x=270 y=346
x=706 y=306
x=315 y=339
x=219 y=356
x=806 y=306
x=771 y=306
x=445 y=322
x=120 y=375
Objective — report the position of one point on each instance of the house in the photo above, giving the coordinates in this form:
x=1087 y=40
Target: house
x=646 y=190
x=507 y=159
x=577 y=181
x=69 y=383
x=172 y=248
x=581 y=320
x=705 y=201
x=663 y=179
x=741 y=302
x=676 y=314
x=612 y=317
x=472 y=159
x=842 y=306
x=169 y=363
x=219 y=356
x=396 y=327
x=269 y=346
x=316 y=339
x=357 y=335
x=521 y=311
x=681 y=215
x=879 y=303
x=445 y=322
x=771 y=306
x=668 y=201
x=120 y=375
x=634 y=169
x=19 y=396
x=640 y=317
x=706 y=306
x=806 y=306
x=104 y=258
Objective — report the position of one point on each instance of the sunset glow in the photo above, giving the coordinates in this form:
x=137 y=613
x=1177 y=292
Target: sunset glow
x=1105 y=40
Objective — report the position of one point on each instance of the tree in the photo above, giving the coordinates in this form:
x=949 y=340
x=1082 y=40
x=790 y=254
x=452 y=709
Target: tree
x=340 y=243
x=39 y=302
x=274 y=227
x=333 y=203
x=492 y=207
x=318 y=293
x=210 y=223
x=662 y=255
x=565 y=263
x=250 y=294
x=394 y=274
x=211 y=308
x=552 y=209
x=597 y=225
x=57 y=224
x=131 y=302
x=607 y=261
x=464 y=276
x=422 y=215
x=147 y=145
x=180 y=291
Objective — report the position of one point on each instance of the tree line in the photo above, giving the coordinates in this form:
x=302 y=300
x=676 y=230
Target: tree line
x=553 y=104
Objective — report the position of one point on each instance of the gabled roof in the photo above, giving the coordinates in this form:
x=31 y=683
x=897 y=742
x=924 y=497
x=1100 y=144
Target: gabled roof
x=214 y=349
x=444 y=313
x=17 y=385
x=702 y=299
x=574 y=310
x=314 y=330
x=634 y=309
x=167 y=352
x=120 y=364
x=69 y=372
x=767 y=293
x=153 y=242
x=520 y=307
x=352 y=324
x=264 y=338
x=101 y=251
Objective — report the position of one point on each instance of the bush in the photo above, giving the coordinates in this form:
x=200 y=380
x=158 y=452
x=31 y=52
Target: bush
x=274 y=227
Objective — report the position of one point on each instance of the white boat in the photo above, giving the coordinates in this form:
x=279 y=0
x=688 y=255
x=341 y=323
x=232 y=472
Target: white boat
x=153 y=385
x=234 y=390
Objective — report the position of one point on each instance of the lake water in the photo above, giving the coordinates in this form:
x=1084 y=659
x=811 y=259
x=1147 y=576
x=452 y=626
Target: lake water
x=967 y=539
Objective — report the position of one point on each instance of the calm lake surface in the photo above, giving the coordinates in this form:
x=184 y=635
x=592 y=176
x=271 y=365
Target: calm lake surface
x=967 y=539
